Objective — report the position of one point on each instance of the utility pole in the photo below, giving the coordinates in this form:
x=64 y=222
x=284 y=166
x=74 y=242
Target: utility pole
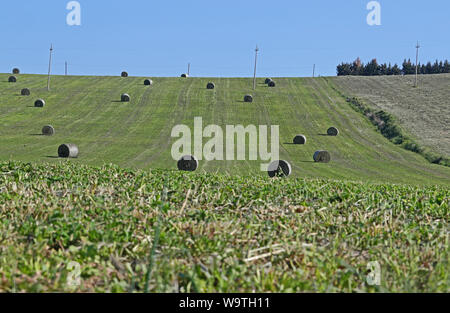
x=189 y=69
x=66 y=68
x=49 y=67
x=417 y=62
x=314 y=70
x=254 y=74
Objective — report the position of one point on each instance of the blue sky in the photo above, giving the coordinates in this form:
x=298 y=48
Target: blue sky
x=159 y=38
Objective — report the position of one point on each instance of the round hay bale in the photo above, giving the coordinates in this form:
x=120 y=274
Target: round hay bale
x=300 y=140
x=48 y=130
x=12 y=79
x=25 y=92
x=210 y=86
x=279 y=168
x=124 y=74
x=184 y=75
x=332 y=131
x=125 y=97
x=322 y=156
x=188 y=163
x=248 y=98
x=268 y=80
x=271 y=84
x=68 y=151
x=148 y=82
x=16 y=71
x=39 y=103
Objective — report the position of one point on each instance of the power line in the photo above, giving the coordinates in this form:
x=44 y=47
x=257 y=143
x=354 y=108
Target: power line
x=417 y=62
x=49 y=67
x=254 y=74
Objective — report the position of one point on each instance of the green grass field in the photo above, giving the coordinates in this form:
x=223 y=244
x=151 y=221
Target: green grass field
x=140 y=225
x=215 y=232
x=86 y=111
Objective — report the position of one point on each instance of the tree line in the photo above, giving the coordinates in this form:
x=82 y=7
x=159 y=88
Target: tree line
x=357 y=68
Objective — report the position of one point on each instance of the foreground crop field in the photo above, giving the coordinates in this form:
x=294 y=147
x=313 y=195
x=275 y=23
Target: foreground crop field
x=424 y=112
x=168 y=231
x=86 y=111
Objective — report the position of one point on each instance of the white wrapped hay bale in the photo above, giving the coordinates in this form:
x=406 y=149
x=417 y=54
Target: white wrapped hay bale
x=322 y=156
x=300 y=140
x=188 y=163
x=48 y=130
x=68 y=151
x=279 y=168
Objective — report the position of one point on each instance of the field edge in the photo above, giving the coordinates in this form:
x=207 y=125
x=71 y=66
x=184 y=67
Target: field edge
x=386 y=124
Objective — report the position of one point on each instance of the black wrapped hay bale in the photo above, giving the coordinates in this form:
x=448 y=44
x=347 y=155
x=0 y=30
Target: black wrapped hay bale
x=148 y=82
x=210 y=86
x=39 y=103
x=268 y=80
x=124 y=74
x=125 y=97
x=184 y=75
x=332 y=131
x=300 y=140
x=68 y=151
x=48 y=130
x=15 y=71
x=322 y=156
x=25 y=92
x=248 y=98
x=188 y=163
x=12 y=79
x=271 y=84
x=279 y=168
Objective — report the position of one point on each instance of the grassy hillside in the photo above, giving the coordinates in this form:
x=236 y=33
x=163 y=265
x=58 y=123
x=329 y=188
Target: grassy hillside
x=86 y=111
x=169 y=231
x=423 y=112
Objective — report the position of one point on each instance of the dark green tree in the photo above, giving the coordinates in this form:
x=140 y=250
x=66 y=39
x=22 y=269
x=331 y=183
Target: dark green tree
x=408 y=67
x=446 y=67
x=372 y=68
